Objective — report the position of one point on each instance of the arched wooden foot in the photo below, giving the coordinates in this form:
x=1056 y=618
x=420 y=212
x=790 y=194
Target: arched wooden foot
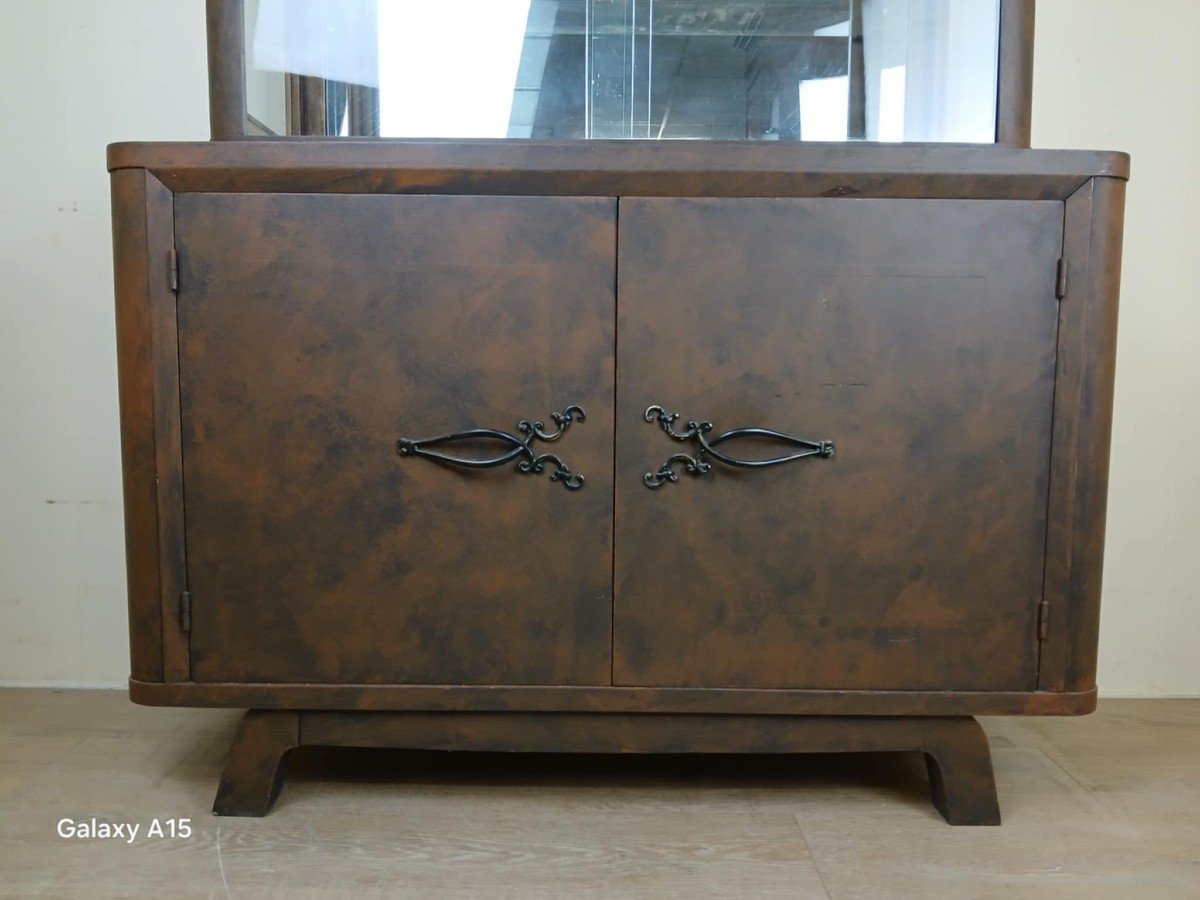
x=960 y=771
x=254 y=773
x=956 y=750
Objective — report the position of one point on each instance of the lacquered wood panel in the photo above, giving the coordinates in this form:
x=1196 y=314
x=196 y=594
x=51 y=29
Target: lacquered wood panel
x=1082 y=436
x=1080 y=463
x=133 y=244
x=919 y=336
x=621 y=168
x=549 y=698
x=315 y=331
x=961 y=782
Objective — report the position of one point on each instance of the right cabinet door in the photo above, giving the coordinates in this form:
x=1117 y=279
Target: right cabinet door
x=918 y=336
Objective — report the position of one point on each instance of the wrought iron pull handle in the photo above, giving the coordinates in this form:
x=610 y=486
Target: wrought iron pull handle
x=529 y=461
x=698 y=432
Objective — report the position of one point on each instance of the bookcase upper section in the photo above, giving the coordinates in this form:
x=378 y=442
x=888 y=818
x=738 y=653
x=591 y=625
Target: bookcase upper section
x=916 y=71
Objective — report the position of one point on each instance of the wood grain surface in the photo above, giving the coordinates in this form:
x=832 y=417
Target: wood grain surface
x=315 y=332
x=293 y=352
x=621 y=168
x=919 y=336
x=961 y=782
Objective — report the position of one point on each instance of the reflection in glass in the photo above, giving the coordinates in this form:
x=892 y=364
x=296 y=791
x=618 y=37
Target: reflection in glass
x=813 y=70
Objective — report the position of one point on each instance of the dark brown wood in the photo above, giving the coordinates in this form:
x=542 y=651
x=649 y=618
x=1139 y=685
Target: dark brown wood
x=362 y=109
x=549 y=698
x=168 y=451
x=617 y=168
x=919 y=336
x=226 y=68
x=293 y=103
x=1014 y=100
x=384 y=697
x=254 y=774
x=1095 y=434
x=1083 y=423
x=288 y=276
x=1077 y=227
x=133 y=247
x=960 y=769
x=305 y=105
x=315 y=332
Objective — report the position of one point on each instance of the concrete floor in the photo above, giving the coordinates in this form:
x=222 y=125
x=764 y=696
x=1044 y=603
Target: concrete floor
x=1103 y=806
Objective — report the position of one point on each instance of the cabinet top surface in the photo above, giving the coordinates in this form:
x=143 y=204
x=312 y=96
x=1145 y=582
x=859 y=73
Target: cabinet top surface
x=616 y=168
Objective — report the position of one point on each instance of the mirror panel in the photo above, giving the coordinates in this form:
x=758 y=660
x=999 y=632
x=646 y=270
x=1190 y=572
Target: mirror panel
x=763 y=70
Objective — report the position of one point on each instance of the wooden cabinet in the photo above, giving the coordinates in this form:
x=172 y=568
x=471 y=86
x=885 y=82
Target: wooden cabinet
x=918 y=336
x=315 y=330
x=416 y=434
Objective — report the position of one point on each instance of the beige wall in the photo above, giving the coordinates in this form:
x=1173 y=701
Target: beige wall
x=77 y=74
x=1115 y=74
x=96 y=72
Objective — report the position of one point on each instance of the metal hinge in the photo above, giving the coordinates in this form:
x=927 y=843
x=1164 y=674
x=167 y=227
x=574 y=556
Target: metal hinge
x=185 y=611
x=173 y=270
x=1043 y=619
x=1060 y=279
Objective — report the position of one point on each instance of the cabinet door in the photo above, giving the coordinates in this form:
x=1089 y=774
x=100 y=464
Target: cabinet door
x=916 y=335
x=315 y=332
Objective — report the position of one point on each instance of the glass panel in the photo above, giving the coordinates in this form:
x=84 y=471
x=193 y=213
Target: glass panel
x=266 y=86
x=814 y=70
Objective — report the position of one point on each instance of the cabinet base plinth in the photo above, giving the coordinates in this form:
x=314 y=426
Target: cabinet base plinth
x=254 y=774
x=961 y=781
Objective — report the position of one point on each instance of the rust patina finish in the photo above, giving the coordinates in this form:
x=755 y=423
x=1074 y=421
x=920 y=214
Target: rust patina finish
x=902 y=302
x=315 y=331
x=917 y=335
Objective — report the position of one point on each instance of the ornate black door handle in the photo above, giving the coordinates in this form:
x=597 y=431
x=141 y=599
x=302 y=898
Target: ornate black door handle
x=699 y=431
x=519 y=448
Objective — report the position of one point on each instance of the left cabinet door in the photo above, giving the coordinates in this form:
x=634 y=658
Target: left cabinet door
x=318 y=331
